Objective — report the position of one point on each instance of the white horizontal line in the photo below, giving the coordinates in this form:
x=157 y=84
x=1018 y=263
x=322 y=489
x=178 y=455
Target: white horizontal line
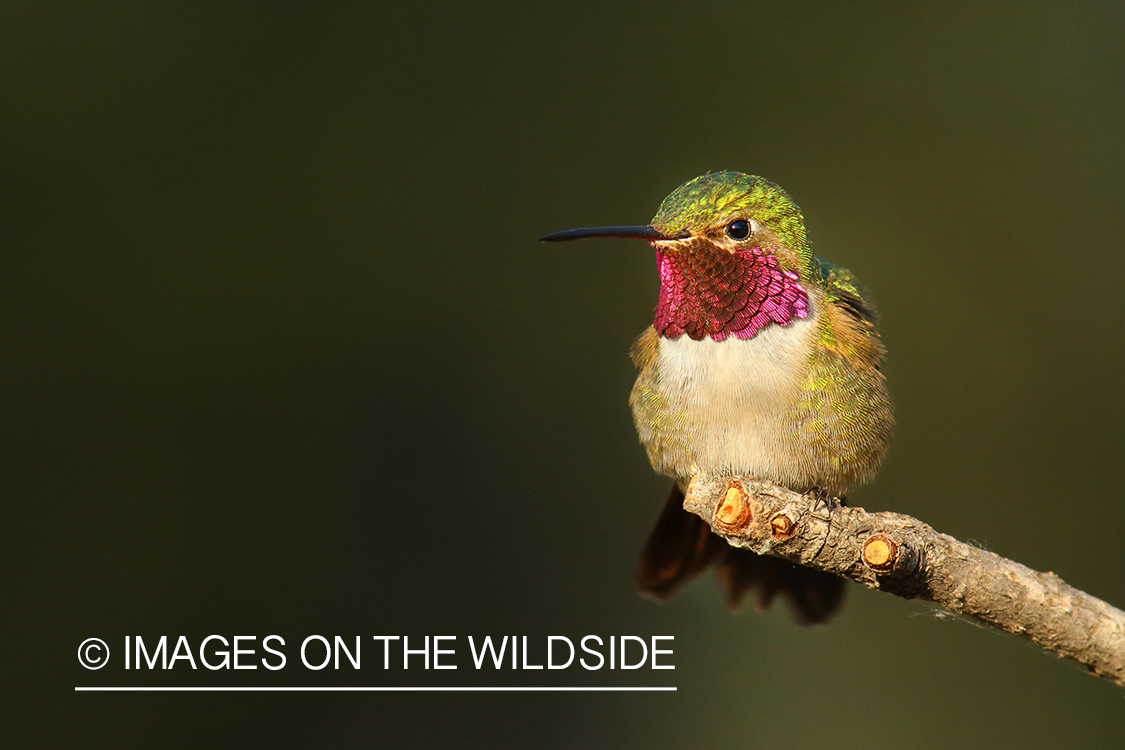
x=217 y=689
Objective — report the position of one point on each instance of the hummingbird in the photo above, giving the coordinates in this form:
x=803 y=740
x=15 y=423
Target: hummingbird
x=762 y=360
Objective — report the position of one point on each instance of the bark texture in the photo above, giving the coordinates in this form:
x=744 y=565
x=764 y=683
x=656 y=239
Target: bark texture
x=903 y=556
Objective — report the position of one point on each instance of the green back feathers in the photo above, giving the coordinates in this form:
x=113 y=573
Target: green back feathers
x=718 y=197
x=844 y=289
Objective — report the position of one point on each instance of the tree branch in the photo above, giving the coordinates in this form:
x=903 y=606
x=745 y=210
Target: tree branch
x=903 y=556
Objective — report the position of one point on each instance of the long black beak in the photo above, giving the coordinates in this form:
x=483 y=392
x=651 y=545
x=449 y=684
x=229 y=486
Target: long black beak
x=629 y=233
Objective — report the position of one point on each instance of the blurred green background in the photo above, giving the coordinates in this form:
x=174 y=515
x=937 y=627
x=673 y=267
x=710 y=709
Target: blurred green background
x=281 y=353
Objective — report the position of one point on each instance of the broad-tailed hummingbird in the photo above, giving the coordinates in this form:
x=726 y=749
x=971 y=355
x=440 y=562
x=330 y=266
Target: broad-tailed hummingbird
x=763 y=361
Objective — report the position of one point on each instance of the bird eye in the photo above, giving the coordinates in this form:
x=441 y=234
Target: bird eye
x=739 y=229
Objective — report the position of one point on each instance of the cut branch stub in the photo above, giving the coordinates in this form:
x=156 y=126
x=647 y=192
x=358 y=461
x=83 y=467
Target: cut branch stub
x=880 y=553
x=733 y=513
x=783 y=526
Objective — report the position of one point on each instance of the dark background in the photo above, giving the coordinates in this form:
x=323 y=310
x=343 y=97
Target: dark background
x=280 y=353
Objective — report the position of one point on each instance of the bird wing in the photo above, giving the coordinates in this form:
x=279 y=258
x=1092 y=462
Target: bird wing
x=844 y=289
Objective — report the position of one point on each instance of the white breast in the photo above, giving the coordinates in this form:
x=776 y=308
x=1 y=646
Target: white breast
x=723 y=404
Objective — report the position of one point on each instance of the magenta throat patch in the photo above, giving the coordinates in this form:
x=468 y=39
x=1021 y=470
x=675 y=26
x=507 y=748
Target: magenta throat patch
x=707 y=291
